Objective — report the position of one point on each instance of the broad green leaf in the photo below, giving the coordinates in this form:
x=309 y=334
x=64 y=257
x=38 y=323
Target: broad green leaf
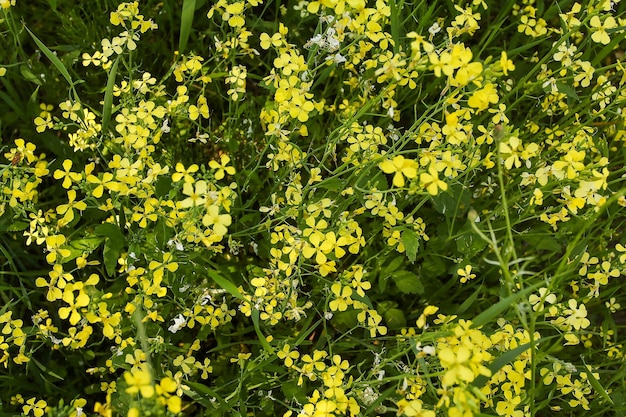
x=394 y=319
x=113 y=245
x=81 y=246
x=28 y=75
x=542 y=242
x=87 y=244
x=408 y=282
x=345 y=320
x=411 y=243
x=454 y=202
x=469 y=243
x=291 y=390
x=17 y=226
x=568 y=90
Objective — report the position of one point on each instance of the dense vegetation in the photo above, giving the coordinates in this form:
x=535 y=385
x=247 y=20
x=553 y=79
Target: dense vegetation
x=312 y=208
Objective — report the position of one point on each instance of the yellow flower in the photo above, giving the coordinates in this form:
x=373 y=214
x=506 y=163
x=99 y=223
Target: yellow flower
x=75 y=303
x=67 y=175
x=455 y=362
x=219 y=222
x=202 y=109
x=430 y=180
x=139 y=380
x=481 y=98
x=288 y=355
x=413 y=408
x=400 y=167
x=37 y=407
x=222 y=167
x=6 y=4
x=570 y=165
x=183 y=173
x=600 y=34
x=196 y=194
x=465 y=274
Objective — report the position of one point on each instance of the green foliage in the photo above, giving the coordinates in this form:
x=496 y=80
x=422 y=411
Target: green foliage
x=316 y=208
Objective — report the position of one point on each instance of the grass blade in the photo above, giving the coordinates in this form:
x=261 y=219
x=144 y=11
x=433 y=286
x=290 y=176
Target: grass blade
x=506 y=358
x=596 y=384
x=495 y=310
x=108 y=96
x=52 y=57
x=186 y=22
x=225 y=284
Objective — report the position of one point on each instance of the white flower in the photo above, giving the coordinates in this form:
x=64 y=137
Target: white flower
x=434 y=29
x=338 y=58
x=179 y=321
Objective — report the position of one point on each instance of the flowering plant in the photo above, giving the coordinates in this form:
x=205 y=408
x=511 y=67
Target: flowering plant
x=314 y=208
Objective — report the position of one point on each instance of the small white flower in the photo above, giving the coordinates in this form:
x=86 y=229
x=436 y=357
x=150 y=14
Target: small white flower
x=429 y=350
x=55 y=340
x=338 y=58
x=179 y=322
x=434 y=29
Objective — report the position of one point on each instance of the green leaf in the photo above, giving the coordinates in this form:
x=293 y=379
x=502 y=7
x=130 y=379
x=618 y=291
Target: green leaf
x=28 y=75
x=186 y=22
x=46 y=370
x=411 y=243
x=393 y=265
x=596 y=384
x=506 y=358
x=345 y=320
x=80 y=246
x=469 y=301
x=260 y=335
x=394 y=319
x=52 y=57
x=113 y=245
x=17 y=226
x=291 y=390
x=108 y=96
x=496 y=310
x=87 y=244
x=542 y=242
x=224 y=283
x=568 y=90
x=455 y=202
x=18 y=110
x=162 y=233
x=408 y=282
x=469 y=243
x=203 y=391
x=163 y=186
